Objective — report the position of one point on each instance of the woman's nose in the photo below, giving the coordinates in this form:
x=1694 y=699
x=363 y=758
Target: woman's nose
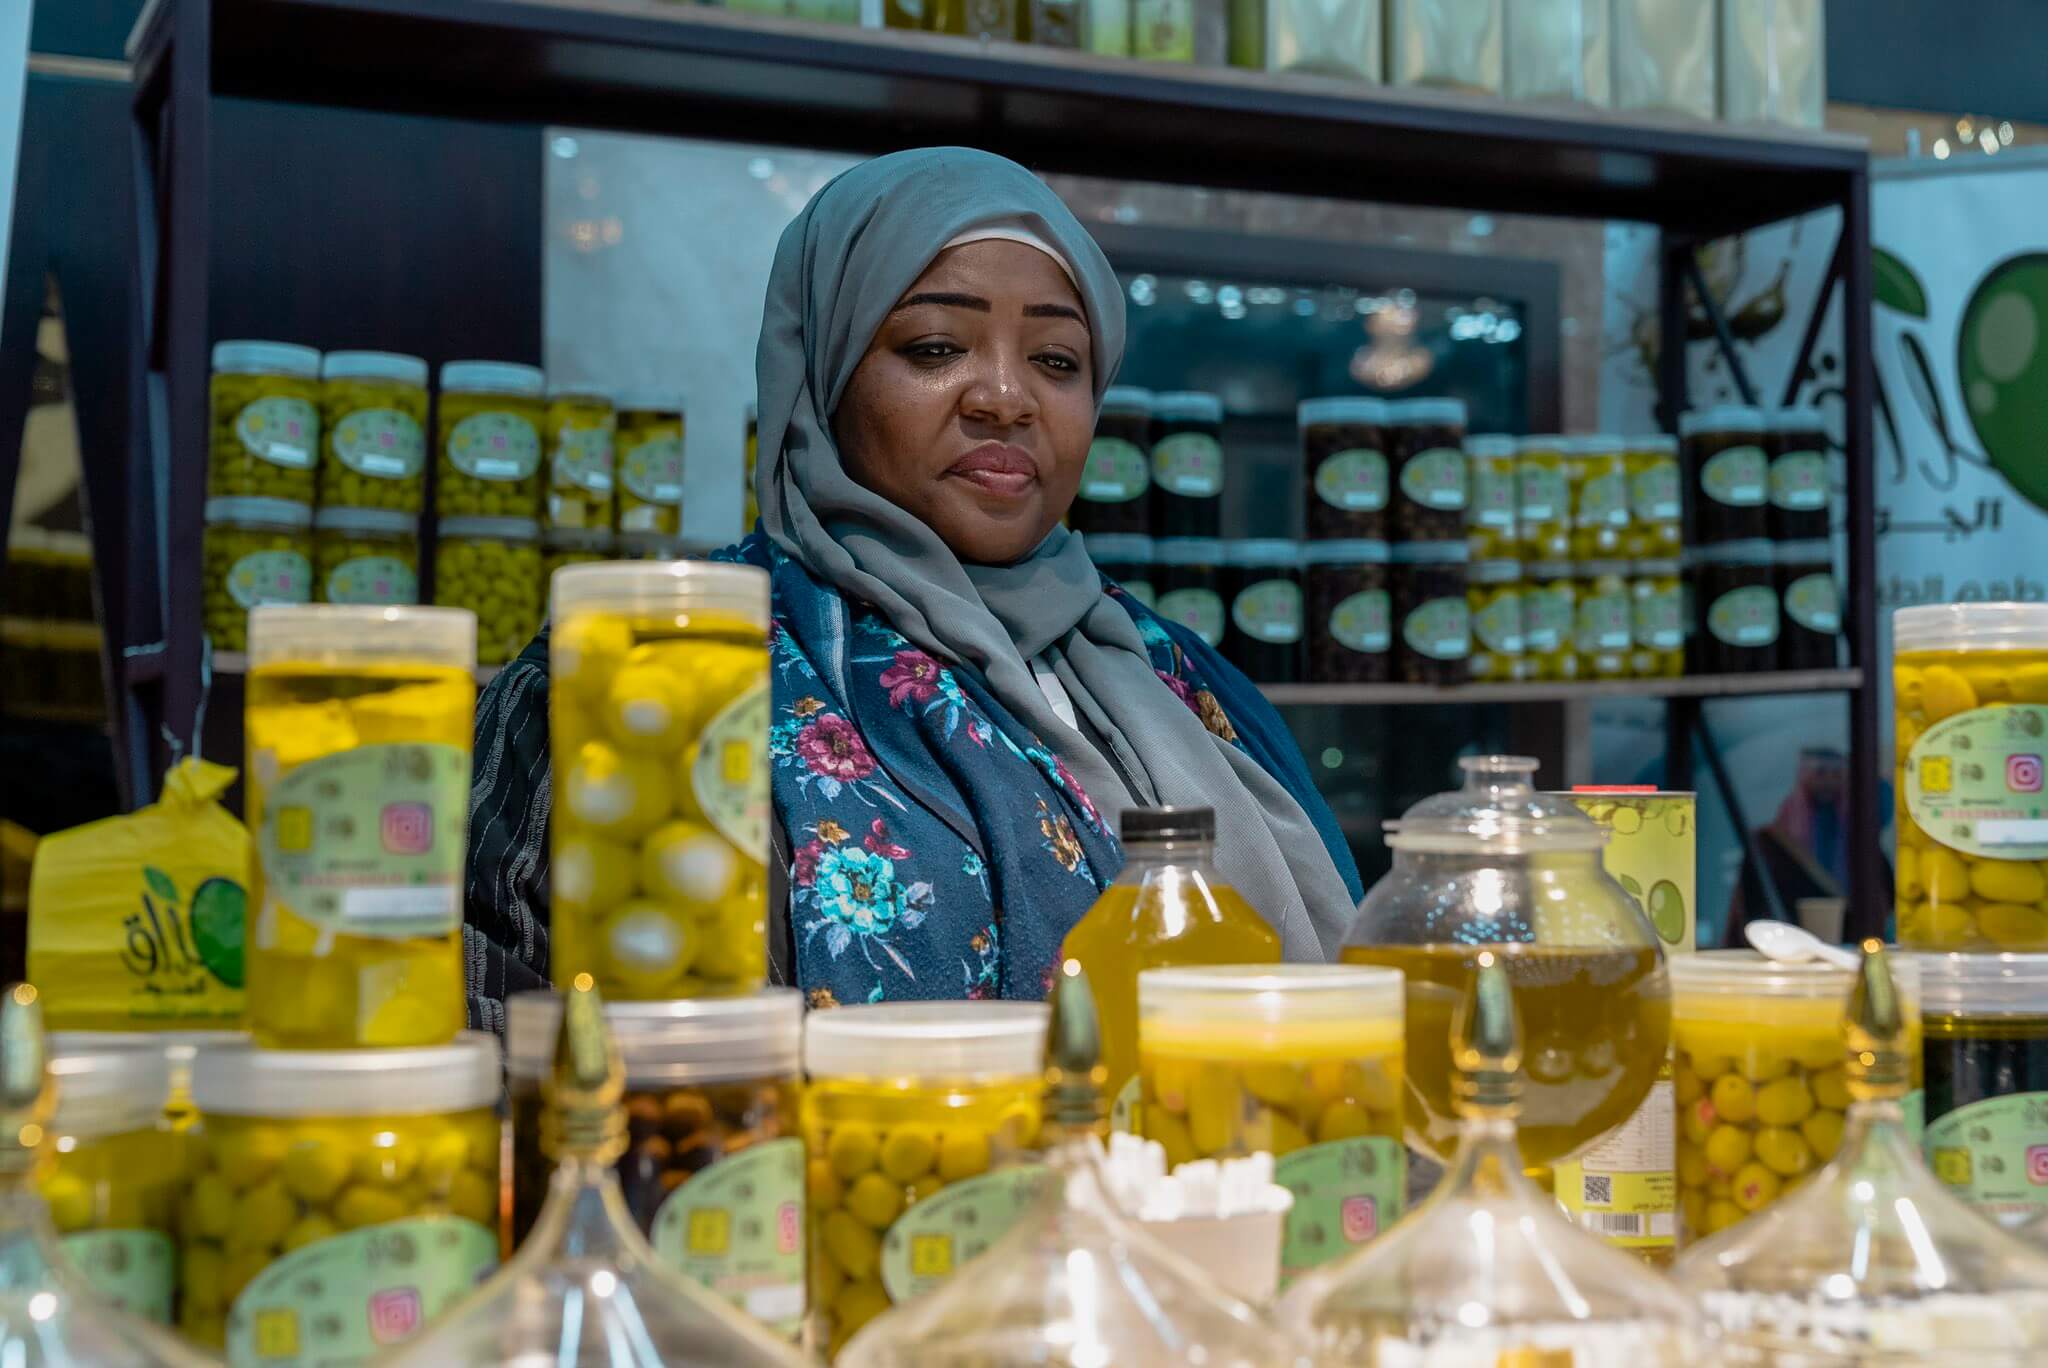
x=998 y=391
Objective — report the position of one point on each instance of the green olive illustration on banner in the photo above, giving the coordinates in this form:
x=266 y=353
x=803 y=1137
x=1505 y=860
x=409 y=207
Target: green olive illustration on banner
x=2002 y=368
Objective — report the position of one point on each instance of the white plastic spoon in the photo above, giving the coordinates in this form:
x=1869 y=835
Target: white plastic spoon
x=1787 y=943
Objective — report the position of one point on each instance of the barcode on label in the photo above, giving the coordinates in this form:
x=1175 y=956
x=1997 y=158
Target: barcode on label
x=1612 y=1222
x=1599 y=1189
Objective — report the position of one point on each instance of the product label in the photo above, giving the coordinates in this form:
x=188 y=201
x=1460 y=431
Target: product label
x=583 y=459
x=953 y=1225
x=1498 y=625
x=1811 y=601
x=280 y=429
x=1493 y=495
x=1653 y=493
x=1364 y=622
x=1659 y=624
x=1543 y=492
x=1745 y=617
x=1354 y=480
x=1624 y=1189
x=1198 y=610
x=1546 y=618
x=1189 y=464
x=737 y=1228
x=1605 y=623
x=1603 y=501
x=1799 y=481
x=1737 y=477
x=1269 y=611
x=1974 y=782
x=271 y=577
x=1435 y=478
x=373 y=579
x=1994 y=1153
x=133 y=1269
x=1117 y=471
x=730 y=772
x=495 y=446
x=1440 y=629
x=653 y=471
x=1345 y=1193
x=347 y=1298
x=1163 y=30
x=370 y=841
x=382 y=443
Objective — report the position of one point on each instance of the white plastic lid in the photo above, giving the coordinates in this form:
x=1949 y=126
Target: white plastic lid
x=1654 y=443
x=1983 y=985
x=243 y=1080
x=598 y=539
x=492 y=377
x=690 y=1040
x=375 y=365
x=255 y=511
x=1595 y=444
x=250 y=357
x=387 y=521
x=1346 y=551
x=1265 y=552
x=1187 y=551
x=1492 y=445
x=1541 y=441
x=927 y=1040
x=180 y=1047
x=1722 y=418
x=662 y=587
x=1188 y=406
x=1495 y=571
x=108 y=1084
x=1256 y=994
x=1126 y=399
x=1746 y=973
x=665 y=402
x=334 y=633
x=1124 y=548
x=1417 y=412
x=1971 y=627
x=490 y=529
x=1340 y=408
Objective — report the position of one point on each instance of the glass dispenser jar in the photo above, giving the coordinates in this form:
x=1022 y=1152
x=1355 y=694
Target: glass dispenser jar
x=1497 y=866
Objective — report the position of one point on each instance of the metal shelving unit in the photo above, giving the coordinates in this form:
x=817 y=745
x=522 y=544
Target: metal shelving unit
x=1565 y=690
x=651 y=67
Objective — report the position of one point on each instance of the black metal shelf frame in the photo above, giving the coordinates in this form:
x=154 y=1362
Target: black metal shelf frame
x=649 y=67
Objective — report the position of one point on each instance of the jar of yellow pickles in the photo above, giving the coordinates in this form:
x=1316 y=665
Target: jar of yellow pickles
x=492 y=566
x=358 y=730
x=255 y=551
x=650 y=464
x=1494 y=594
x=1970 y=710
x=917 y=1118
x=659 y=728
x=366 y=555
x=265 y=404
x=1490 y=515
x=1550 y=600
x=1300 y=1061
x=580 y=425
x=487 y=429
x=1596 y=471
x=1543 y=500
x=373 y=411
x=337 y=1200
x=1605 y=620
x=1657 y=618
x=1654 y=511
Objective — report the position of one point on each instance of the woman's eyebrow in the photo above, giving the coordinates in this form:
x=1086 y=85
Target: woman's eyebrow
x=1054 y=311
x=950 y=301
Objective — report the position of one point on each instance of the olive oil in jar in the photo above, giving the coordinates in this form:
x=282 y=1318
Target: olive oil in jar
x=1985 y=1048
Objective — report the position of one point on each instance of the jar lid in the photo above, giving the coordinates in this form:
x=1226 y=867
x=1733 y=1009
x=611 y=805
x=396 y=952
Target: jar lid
x=1416 y=412
x=1750 y=551
x=689 y=1040
x=246 y=1080
x=1126 y=399
x=1548 y=570
x=492 y=377
x=1541 y=441
x=1653 y=443
x=1747 y=973
x=1970 y=627
x=1803 y=552
x=1491 y=445
x=332 y=633
x=1254 y=995
x=1188 y=406
x=247 y=356
x=577 y=539
x=1340 y=408
x=1431 y=553
x=1795 y=420
x=1265 y=552
x=375 y=365
x=106 y=1088
x=490 y=529
x=1497 y=810
x=1187 y=551
x=1595 y=569
x=1496 y=571
x=666 y=402
x=927 y=1040
x=1594 y=444
x=675 y=587
x=1168 y=823
x=389 y=521
x=1348 y=551
x=242 y=508
x=1656 y=569
x=1722 y=418
x=1982 y=985
x=579 y=389
x=179 y=1047
x=1126 y=547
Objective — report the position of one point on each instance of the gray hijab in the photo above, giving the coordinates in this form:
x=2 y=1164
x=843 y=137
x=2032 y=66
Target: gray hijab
x=840 y=268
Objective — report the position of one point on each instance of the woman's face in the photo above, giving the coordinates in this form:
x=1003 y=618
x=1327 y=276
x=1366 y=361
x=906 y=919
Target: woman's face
x=974 y=405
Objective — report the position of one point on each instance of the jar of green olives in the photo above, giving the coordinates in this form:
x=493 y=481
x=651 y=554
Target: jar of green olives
x=373 y=411
x=487 y=429
x=366 y=555
x=650 y=464
x=255 y=551
x=265 y=402
x=580 y=424
x=330 y=1190
x=491 y=566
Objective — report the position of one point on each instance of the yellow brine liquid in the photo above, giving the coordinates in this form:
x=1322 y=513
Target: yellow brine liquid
x=358 y=800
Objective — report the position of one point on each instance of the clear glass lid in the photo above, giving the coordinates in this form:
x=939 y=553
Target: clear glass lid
x=1498 y=810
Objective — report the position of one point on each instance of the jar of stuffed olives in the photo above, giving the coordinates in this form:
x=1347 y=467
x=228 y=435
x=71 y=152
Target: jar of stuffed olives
x=255 y=551
x=1490 y=511
x=1550 y=603
x=487 y=429
x=337 y=1200
x=711 y=1099
x=1657 y=619
x=1494 y=595
x=1543 y=500
x=580 y=424
x=373 y=414
x=491 y=566
x=650 y=479
x=265 y=403
x=366 y=555
x=1596 y=474
x=1604 y=620
x=1654 y=510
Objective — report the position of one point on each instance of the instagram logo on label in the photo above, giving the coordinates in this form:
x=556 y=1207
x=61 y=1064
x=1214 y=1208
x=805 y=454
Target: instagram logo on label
x=1361 y=1217
x=408 y=828
x=2023 y=773
x=394 y=1314
x=2037 y=1165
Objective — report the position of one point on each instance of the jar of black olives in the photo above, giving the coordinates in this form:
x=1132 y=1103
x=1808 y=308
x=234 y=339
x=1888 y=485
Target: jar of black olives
x=1127 y=560
x=1349 y=612
x=1188 y=572
x=1736 y=597
x=1263 y=634
x=1344 y=465
x=1430 y=485
x=1810 y=606
x=1727 y=473
x=1117 y=481
x=1187 y=465
x=1433 y=621
x=1799 y=475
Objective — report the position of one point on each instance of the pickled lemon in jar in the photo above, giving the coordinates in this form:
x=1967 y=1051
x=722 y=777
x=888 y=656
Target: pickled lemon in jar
x=659 y=729
x=919 y=1120
x=358 y=727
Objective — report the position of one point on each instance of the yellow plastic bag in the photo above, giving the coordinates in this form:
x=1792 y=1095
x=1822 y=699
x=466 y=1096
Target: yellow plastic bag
x=135 y=922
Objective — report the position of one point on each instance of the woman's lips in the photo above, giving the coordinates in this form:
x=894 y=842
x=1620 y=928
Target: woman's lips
x=996 y=468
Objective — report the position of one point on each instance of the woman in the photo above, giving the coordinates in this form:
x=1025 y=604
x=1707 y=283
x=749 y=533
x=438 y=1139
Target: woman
x=962 y=704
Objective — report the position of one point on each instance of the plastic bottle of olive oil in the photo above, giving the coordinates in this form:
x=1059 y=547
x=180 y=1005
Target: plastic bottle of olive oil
x=1167 y=907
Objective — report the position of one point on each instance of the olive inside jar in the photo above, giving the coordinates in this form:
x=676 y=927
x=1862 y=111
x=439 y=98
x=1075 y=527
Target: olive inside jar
x=1263 y=634
x=1736 y=598
x=1187 y=465
x=1433 y=637
x=1349 y=612
x=1189 y=576
x=712 y=1136
x=1799 y=475
x=1344 y=457
x=1727 y=473
x=1118 y=477
x=1427 y=441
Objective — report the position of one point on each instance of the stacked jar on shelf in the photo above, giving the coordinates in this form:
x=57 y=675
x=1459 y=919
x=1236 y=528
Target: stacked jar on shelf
x=1113 y=508
x=1348 y=609
x=1185 y=508
x=1428 y=492
x=1499 y=641
x=1653 y=544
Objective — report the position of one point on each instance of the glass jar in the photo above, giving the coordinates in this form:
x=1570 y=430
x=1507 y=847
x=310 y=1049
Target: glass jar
x=1187 y=465
x=337 y=1199
x=1189 y=575
x=1728 y=472
x=1986 y=1056
x=1543 y=499
x=1560 y=50
x=1113 y=499
x=1433 y=636
x=1654 y=492
x=1350 y=612
x=580 y=424
x=1128 y=561
x=1737 y=605
x=264 y=405
x=1774 y=62
x=492 y=567
x=1490 y=512
x=1596 y=473
x=1299 y=1061
x=1180 y=31
x=560 y=546
x=1970 y=701
x=916 y=1118
x=366 y=555
x=1499 y=867
x=1262 y=635
x=1604 y=623
x=1426 y=440
x=373 y=410
x=1665 y=57
x=1798 y=449
x=1495 y=600
x=658 y=724
x=358 y=725
x=1810 y=606
x=113 y=1184
x=1450 y=44
x=1550 y=616
x=255 y=551
x=1344 y=460
x=1657 y=619
x=651 y=464
x=713 y=1172
x=487 y=429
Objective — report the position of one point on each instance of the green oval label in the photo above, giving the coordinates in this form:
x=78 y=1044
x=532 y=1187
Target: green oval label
x=133 y=1269
x=1269 y=611
x=372 y=579
x=1117 y=471
x=1813 y=602
x=1653 y=493
x=1198 y=610
x=1658 y=624
x=1435 y=478
x=1603 y=501
x=1493 y=495
x=730 y=774
x=1189 y=464
x=1546 y=618
x=1799 y=481
x=1345 y=1193
x=953 y=1225
x=1440 y=629
x=280 y=429
x=1974 y=782
x=495 y=446
x=384 y=444
x=1364 y=622
x=1605 y=623
x=270 y=577
x=1737 y=477
x=1542 y=491
x=653 y=471
x=737 y=1228
x=582 y=459
x=1354 y=480
x=1745 y=617
x=1994 y=1154
x=1142 y=591
x=1498 y=625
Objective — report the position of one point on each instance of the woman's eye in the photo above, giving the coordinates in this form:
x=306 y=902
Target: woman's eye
x=930 y=351
x=1058 y=362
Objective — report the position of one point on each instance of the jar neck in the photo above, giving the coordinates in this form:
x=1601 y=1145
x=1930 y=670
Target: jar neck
x=1149 y=854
